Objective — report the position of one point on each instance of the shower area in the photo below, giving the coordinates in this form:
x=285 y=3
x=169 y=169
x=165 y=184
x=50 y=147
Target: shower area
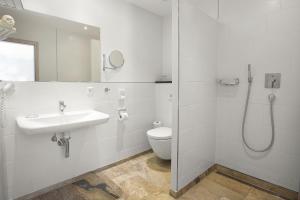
x=237 y=91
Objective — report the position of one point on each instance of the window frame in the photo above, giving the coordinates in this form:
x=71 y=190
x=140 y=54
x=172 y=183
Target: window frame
x=36 y=53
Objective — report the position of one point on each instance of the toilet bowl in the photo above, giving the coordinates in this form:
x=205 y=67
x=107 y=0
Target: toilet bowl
x=160 y=141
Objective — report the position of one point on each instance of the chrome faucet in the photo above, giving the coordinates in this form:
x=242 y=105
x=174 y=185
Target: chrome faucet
x=62 y=106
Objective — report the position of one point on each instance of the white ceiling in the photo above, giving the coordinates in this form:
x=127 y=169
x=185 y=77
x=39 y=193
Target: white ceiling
x=159 y=7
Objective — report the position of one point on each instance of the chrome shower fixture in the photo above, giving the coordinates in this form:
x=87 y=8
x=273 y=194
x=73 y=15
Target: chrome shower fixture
x=272 y=80
x=250 y=78
x=271 y=99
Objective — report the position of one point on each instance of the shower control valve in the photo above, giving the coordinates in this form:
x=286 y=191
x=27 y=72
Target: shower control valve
x=272 y=80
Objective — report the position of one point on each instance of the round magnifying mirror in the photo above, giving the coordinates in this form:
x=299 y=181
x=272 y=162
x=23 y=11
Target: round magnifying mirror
x=116 y=59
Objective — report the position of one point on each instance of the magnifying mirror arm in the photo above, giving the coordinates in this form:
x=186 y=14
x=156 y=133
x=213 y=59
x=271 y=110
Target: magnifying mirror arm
x=105 y=68
x=104 y=63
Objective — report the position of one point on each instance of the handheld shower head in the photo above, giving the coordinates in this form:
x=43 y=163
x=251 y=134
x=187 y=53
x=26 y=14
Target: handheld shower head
x=250 y=78
x=7 y=88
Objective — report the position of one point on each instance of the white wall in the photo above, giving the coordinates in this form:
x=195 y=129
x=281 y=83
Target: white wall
x=265 y=34
x=197 y=91
x=95 y=60
x=30 y=159
x=45 y=36
x=167 y=47
x=73 y=57
x=134 y=31
x=209 y=7
x=163 y=103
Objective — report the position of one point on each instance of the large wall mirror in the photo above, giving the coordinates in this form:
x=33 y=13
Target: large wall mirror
x=46 y=48
x=126 y=43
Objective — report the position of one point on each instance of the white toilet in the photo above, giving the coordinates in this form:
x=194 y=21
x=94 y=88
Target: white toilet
x=160 y=137
x=160 y=141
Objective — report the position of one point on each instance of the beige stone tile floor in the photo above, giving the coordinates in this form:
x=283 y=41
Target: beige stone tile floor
x=148 y=178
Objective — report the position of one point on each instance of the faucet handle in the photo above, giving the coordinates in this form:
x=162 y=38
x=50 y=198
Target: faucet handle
x=68 y=138
x=62 y=106
x=62 y=103
x=54 y=138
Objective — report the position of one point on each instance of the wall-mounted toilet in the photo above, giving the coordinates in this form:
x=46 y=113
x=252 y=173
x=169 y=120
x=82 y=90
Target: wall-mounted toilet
x=160 y=137
x=160 y=141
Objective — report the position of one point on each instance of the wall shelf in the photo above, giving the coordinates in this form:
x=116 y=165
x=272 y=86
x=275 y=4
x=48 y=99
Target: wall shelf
x=228 y=82
x=163 y=81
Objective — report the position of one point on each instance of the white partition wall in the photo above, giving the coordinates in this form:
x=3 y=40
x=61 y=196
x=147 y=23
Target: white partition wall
x=175 y=83
x=197 y=93
x=1 y=168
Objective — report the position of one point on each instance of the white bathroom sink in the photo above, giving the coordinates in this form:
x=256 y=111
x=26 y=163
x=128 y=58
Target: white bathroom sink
x=57 y=123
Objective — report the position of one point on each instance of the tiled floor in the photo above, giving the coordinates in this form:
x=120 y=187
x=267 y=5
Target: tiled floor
x=148 y=178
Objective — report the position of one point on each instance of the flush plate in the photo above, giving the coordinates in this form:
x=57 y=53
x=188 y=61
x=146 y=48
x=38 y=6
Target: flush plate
x=272 y=80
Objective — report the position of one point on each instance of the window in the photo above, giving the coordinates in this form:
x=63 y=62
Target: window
x=18 y=60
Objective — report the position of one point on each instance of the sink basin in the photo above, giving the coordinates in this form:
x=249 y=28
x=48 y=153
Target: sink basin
x=57 y=123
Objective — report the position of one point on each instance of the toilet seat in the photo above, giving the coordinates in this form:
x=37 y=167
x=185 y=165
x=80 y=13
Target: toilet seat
x=162 y=133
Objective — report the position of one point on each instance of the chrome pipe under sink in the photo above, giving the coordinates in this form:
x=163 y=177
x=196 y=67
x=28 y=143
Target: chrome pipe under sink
x=63 y=142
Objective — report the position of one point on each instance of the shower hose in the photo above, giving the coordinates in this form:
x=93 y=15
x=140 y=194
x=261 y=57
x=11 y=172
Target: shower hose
x=272 y=98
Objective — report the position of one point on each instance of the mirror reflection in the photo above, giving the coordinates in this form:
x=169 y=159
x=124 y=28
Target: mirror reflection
x=134 y=44
x=116 y=59
x=46 y=48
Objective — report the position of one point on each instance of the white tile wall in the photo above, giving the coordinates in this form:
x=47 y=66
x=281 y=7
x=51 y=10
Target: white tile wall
x=264 y=33
x=175 y=101
x=30 y=159
x=197 y=91
x=164 y=98
x=1 y=167
x=167 y=46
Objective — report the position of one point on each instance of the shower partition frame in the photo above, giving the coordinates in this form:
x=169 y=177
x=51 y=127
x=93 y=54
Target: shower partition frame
x=185 y=170
x=175 y=83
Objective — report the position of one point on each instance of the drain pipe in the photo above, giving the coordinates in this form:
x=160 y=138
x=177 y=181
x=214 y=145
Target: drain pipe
x=63 y=141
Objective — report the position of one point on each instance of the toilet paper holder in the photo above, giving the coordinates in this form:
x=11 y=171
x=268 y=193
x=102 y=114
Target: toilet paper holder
x=122 y=110
x=123 y=115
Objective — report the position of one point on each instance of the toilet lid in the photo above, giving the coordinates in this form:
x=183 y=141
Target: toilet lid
x=162 y=133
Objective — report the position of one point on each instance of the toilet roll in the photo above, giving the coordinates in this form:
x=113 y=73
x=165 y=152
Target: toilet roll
x=123 y=116
x=157 y=124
